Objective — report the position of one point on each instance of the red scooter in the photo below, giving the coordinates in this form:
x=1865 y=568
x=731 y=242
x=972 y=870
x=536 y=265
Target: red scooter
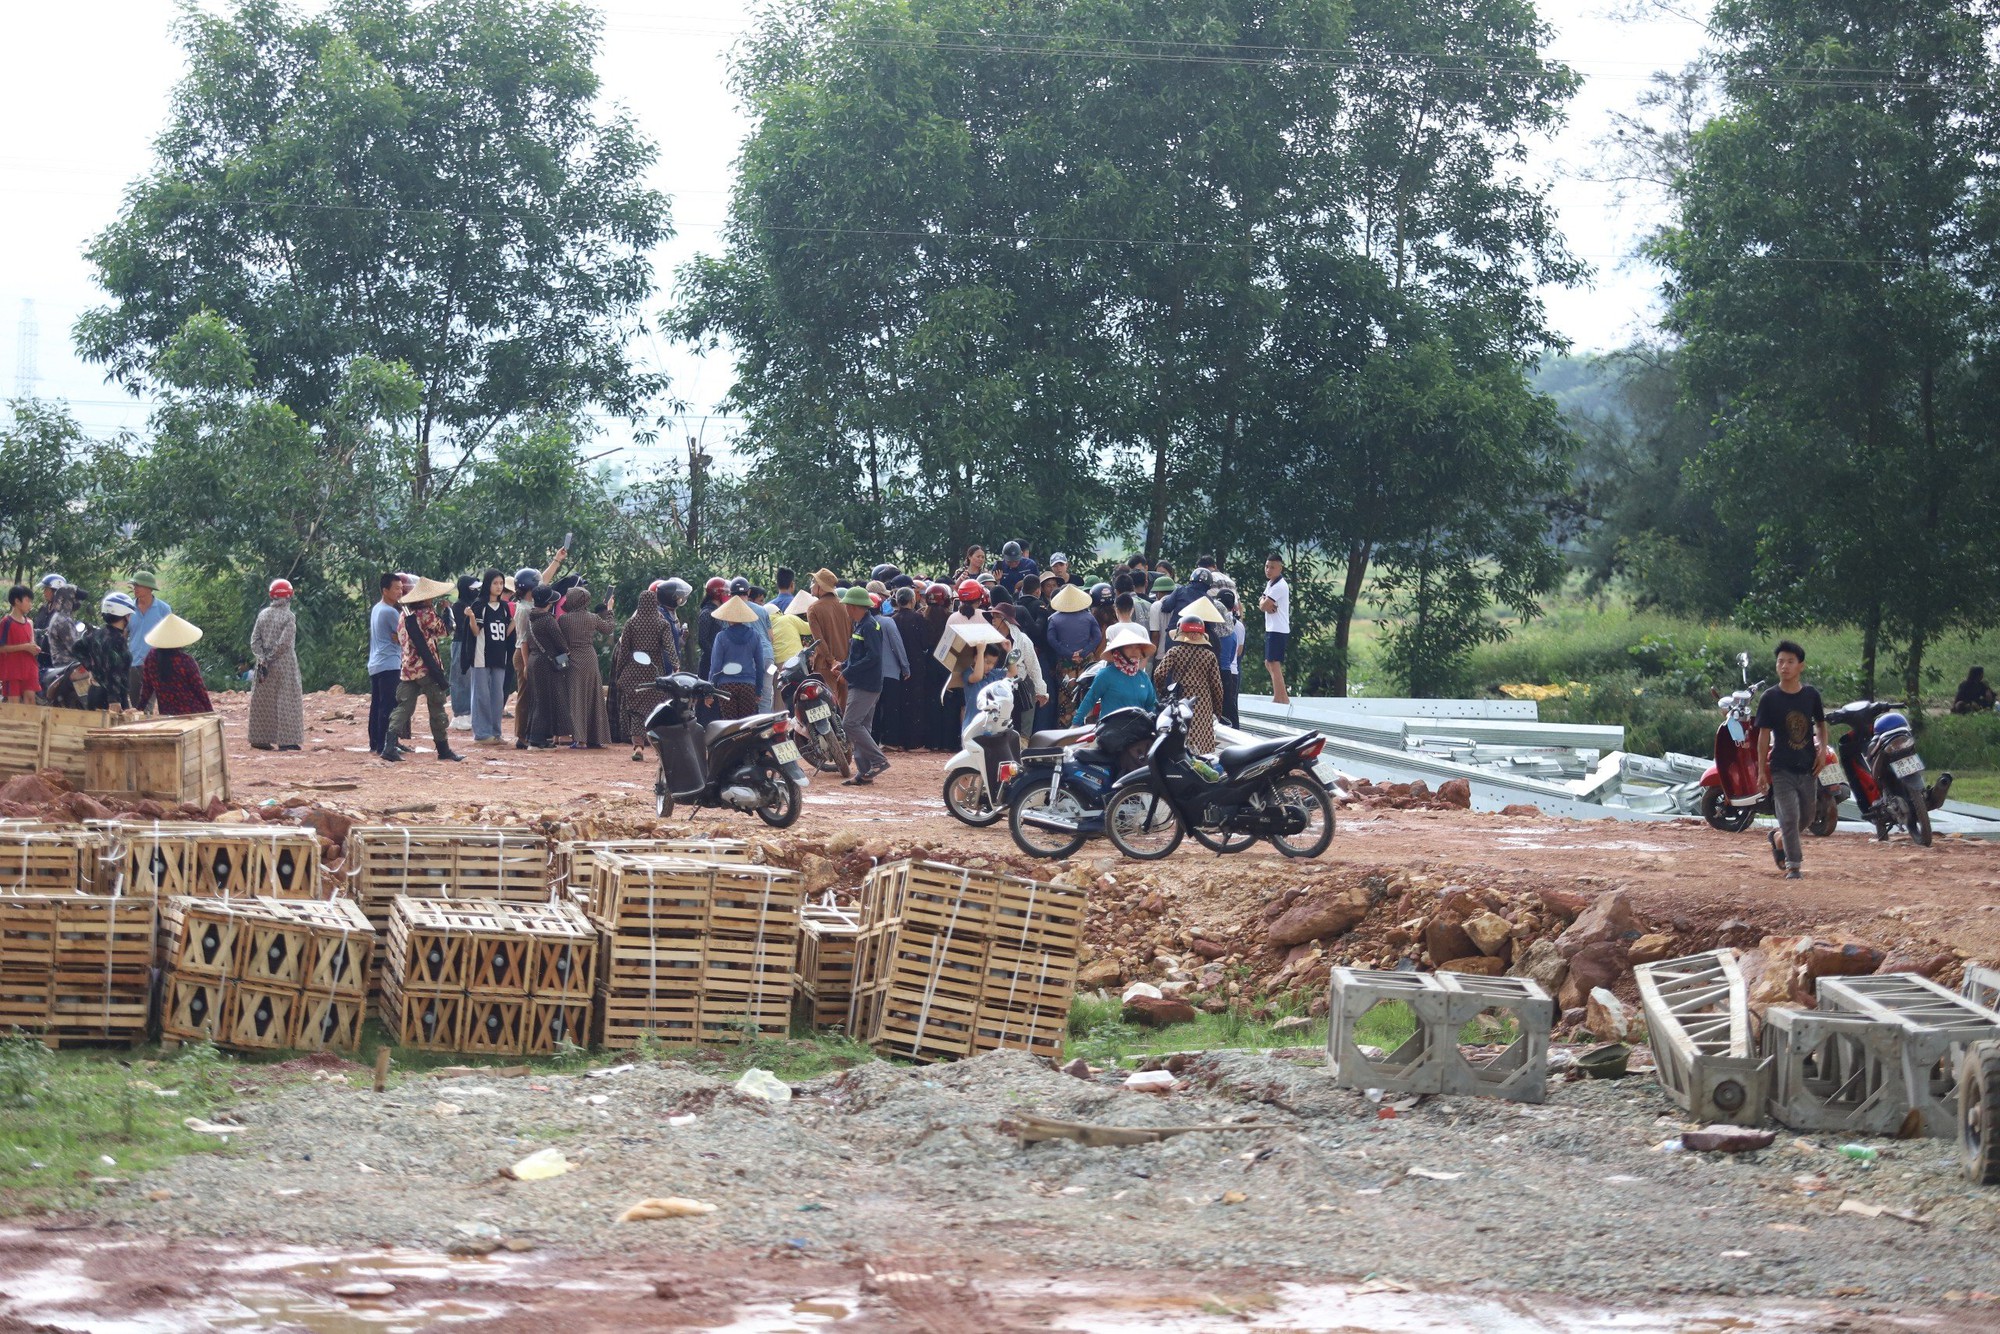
x=1731 y=797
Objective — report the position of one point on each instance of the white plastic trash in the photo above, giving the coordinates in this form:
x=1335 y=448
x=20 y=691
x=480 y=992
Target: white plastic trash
x=760 y=1083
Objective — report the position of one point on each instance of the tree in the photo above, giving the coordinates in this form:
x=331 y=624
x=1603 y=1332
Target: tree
x=421 y=185
x=60 y=497
x=1831 y=272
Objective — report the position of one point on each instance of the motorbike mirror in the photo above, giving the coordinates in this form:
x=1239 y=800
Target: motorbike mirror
x=643 y=658
x=1743 y=661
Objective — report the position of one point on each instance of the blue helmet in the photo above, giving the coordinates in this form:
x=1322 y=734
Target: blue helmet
x=1889 y=722
x=525 y=579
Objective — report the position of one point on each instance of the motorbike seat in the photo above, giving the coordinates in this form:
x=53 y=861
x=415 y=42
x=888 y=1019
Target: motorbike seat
x=723 y=727
x=1240 y=757
x=1057 y=737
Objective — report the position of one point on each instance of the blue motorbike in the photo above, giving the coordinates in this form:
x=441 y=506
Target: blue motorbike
x=1056 y=796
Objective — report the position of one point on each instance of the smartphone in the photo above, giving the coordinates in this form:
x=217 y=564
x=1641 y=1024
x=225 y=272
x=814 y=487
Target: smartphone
x=568 y=538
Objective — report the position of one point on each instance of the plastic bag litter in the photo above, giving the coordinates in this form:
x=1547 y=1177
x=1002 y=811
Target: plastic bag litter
x=540 y=1166
x=760 y=1083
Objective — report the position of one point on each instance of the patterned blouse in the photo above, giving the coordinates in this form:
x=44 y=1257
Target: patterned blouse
x=172 y=678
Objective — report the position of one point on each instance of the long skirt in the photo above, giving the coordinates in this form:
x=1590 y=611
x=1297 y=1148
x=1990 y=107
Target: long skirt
x=277 y=712
x=892 y=715
x=547 y=705
x=589 y=720
x=738 y=700
x=1071 y=691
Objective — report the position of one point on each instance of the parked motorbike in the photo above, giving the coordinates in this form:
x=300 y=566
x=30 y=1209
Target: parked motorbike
x=974 y=790
x=746 y=764
x=818 y=729
x=1262 y=790
x=1731 y=796
x=1878 y=753
x=1056 y=796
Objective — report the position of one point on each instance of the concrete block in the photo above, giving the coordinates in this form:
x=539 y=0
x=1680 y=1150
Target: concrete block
x=1698 y=1025
x=1430 y=1061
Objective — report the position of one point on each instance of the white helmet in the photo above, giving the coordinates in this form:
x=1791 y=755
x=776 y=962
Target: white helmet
x=118 y=604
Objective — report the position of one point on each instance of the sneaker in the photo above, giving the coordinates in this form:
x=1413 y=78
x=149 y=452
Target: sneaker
x=1777 y=849
x=461 y=724
x=1793 y=874
x=859 y=780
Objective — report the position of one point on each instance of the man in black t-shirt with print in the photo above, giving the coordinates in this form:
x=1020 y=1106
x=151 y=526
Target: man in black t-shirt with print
x=1793 y=720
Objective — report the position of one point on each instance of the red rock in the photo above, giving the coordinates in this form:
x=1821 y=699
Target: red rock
x=1208 y=949
x=82 y=806
x=1566 y=904
x=1099 y=973
x=1445 y=938
x=1483 y=964
x=332 y=825
x=1651 y=949
x=1079 y=1067
x=1519 y=808
x=1840 y=956
x=1737 y=934
x=1456 y=792
x=1910 y=959
x=1771 y=975
x=56 y=779
x=1543 y=963
x=1608 y=918
x=1330 y=914
x=1158 y=1012
x=28 y=790
x=1600 y=964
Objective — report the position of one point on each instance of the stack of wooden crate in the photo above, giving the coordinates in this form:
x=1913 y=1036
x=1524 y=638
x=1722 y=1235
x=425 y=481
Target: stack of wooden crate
x=49 y=859
x=76 y=967
x=573 y=865
x=488 y=977
x=161 y=859
x=264 y=973
x=693 y=951
x=829 y=939
x=487 y=864
x=33 y=738
x=953 y=961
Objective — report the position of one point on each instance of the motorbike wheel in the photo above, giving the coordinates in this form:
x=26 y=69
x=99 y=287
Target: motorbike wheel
x=1920 y=813
x=838 y=755
x=1721 y=815
x=1826 y=817
x=781 y=811
x=966 y=798
x=1307 y=791
x=1222 y=842
x=809 y=749
x=1142 y=825
x=1068 y=803
x=663 y=795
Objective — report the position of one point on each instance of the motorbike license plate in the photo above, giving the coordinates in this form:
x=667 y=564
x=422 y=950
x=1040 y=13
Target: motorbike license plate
x=1909 y=764
x=818 y=712
x=1830 y=776
x=785 y=752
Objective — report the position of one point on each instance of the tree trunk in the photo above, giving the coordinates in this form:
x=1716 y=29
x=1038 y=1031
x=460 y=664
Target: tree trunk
x=1913 y=680
x=1871 y=639
x=1343 y=625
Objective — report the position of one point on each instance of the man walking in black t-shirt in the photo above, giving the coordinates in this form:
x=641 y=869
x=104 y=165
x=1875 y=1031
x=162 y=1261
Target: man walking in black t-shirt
x=1794 y=723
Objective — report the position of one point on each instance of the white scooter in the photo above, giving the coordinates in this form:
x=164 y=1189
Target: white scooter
x=972 y=785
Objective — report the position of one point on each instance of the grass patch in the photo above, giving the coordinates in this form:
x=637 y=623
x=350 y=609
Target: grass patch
x=1982 y=789
x=63 y=1113
x=1100 y=1036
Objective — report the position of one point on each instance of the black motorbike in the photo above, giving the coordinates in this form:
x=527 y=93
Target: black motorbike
x=1056 y=794
x=816 y=724
x=1264 y=790
x=746 y=764
x=1878 y=752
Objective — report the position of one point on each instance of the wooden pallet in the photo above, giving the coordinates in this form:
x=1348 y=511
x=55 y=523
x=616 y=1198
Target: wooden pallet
x=620 y=1017
x=573 y=865
x=493 y=863
x=27 y=934
x=76 y=968
x=47 y=859
x=26 y=998
x=179 y=759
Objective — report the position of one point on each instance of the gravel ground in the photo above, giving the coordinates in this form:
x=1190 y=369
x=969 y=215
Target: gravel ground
x=1570 y=1197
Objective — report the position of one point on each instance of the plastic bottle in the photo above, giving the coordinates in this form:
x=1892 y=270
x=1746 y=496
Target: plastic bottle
x=1207 y=772
x=1860 y=1153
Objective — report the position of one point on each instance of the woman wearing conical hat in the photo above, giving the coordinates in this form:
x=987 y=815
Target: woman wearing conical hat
x=170 y=679
x=1192 y=665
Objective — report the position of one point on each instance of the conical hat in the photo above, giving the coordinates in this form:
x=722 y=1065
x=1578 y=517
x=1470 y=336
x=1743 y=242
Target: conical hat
x=1128 y=635
x=736 y=611
x=1201 y=609
x=1070 y=598
x=173 y=632
x=428 y=589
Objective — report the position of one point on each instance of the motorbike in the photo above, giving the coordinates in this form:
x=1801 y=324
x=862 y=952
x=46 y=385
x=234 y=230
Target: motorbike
x=1731 y=796
x=746 y=764
x=1264 y=790
x=974 y=790
x=1878 y=753
x=1058 y=795
x=816 y=724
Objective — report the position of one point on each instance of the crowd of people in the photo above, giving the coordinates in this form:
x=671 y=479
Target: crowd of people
x=475 y=652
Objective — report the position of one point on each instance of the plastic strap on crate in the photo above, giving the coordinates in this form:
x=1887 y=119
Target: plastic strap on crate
x=938 y=952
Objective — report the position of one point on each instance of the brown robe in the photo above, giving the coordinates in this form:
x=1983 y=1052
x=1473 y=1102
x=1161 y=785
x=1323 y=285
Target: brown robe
x=831 y=631
x=1195 y=668
x=590 y=722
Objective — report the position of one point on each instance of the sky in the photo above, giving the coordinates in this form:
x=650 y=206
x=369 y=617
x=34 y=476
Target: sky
x=85 y=87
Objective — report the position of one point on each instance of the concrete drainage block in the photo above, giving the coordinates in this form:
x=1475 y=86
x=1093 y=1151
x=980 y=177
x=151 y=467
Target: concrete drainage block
x=1429 y=1060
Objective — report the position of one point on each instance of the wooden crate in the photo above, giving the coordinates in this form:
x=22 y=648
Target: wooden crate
x=621 y=1016
x=646 y=893
x=494 y=1025
x=329 y=1023
x=429 y=1021
x=26 y=997
x=430 y=943
x=28 y=934
x=214 y=860
x=201 y=935
x=192 y=1007
x=452 y=945
x=76 y=968
x=33 y=738
x=114 y=1013
x=95 y=935
x=342 y=948
x=179 y=759
x=46 y=859
x=259 y=1018
x=555 y=1021
x=829 y=941
x=499 y=864
x=564 y=965
x=573 y=865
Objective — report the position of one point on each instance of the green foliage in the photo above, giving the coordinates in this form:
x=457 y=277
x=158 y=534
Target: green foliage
x=59 y=493
x=1962 y=741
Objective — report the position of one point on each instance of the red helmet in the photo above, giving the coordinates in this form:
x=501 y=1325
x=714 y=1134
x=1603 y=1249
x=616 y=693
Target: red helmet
x=876 y=598
x=281 y=588
x=938 y=593
x=714 y=586
x=971 y=590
